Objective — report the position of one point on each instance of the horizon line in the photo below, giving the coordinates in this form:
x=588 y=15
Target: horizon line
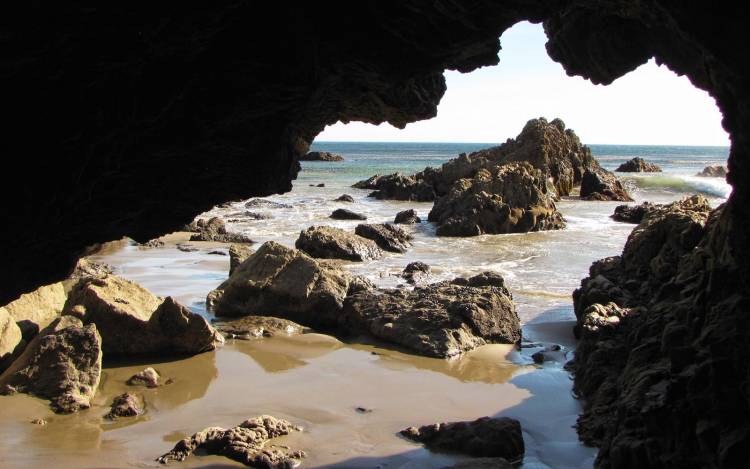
x=500 y=143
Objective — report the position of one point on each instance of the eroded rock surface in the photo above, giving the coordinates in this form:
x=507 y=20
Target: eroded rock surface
x=35 y=310
x=414 y=272
x=253 y=327
x=386 y=236
x=62 y=364
x=326 y=242
x=638 y=165
x=132 y=321
x=215 y=229
x=511 y=198
x=484 y=437
x=149 y=377
x=636 y=213
x=125 y=405
x=439 y=320
x=600 y=184
x=247 y=443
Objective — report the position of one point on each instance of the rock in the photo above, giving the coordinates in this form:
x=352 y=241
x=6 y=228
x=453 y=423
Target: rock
x=320 y=185
x=631 y=213
x=36 y=310
x=125 y=405
x=399 y=187
x=153 y=243
x=214 y=229
x=245 y=443
x=216 y=252
x=362 y=410
x=283 y=282
x=148 y=377
x=638 y=165
x=388 y=237
x=717 y=171
x=635 y=214
x=237 y=255
x=40 y=422
x=11 y=341
x=484 y=437
x=344 y=198
x=89 y=269
x=415 y=271
x=264 y=203
x=321 y=156
x=507 y=199
x=257 y=215
x=333 y=243
x=62 y=364
x=344 y=214
x=407 y=217
x=550 y=353
x=482 y=463
x=600 y=184
x=134 y=322
x=252 y=327
x=187 y=248
x=439 y=320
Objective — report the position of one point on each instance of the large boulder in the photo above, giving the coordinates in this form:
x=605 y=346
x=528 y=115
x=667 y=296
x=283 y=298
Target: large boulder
x=215 y=229
x=439 y=320
x=35 y=310
x=63 y=364
x=638 y=165
x=600 y=184
x=511 y=198
x=283 y=282
x=717 y=171
x=407 y=217
x=245 y=443
x=345 y=214
x=320 y=156
x=485 y=437
x=388 y=237
x=134 y=322
x=11 y=341
x=326 y=242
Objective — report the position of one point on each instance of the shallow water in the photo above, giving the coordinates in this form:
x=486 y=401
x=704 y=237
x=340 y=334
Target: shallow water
x=317 y=381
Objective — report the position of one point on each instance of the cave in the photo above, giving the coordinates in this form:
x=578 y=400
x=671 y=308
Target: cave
x=129 y=120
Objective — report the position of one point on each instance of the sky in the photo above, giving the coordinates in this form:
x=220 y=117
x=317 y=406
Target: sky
x=649 y=106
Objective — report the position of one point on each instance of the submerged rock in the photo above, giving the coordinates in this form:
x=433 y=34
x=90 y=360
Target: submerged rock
x=264 y=203
x=125 y=405
x=713 y=172
x=407 y=217
x=388 y=237
x=344 y=198
x=214 y=229
x=321 y=156
x=62 y=364
x=134 y=322
x=511 y=198
x=345 y=214
x=237 y=255
x=333 y=243
x=252 y=327
x=415 y=271
x=484 y=437
x=283 y=282
x=148 y=377
x=600 y=184
x=245 y=443
x=439 y=320
x=638 y=165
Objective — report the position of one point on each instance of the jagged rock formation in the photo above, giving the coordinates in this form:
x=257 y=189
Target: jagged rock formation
x=326 y=242
x=636 y=213
x=415 y=271
x=600 y=184
x=484 y=437
x=388 y=237
x=439 y=320
x=321 y=156
x=215 y=229
x=62 y=364
x=245 y=443
x=713 y=172
x=511 y=198
x=638 y=165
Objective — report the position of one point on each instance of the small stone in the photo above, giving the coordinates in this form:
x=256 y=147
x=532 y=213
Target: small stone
x=125 y=405
x=40 y=422
x=148 y=377
x=362 y=410
x=345 y=214
x=344 y=198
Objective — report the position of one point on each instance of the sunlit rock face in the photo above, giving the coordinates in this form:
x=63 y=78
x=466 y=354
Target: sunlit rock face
x=130 y=119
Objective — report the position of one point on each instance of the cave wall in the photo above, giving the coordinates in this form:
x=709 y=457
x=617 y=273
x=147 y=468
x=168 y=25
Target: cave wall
x=128 y=118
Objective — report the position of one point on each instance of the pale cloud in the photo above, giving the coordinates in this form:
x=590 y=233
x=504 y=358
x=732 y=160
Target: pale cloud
x=650 y=106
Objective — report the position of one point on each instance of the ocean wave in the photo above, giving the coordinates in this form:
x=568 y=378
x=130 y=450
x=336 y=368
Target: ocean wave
x=716 y=187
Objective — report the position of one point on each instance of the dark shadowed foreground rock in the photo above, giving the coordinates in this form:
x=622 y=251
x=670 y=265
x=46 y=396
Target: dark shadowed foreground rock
x=511 y=198
x=63 y=364
x=253 y=327
x=388 y=237
x=320 y=156
x=149 y=377
x=215 y=229
x=439 y=320
x=415 y=272
x=636 y=213
x=133 y=321
x=125 y=405
x=600 y=184
x=245 y=443
x=279 y=281
x=713 y=171
x=638 y=165
x=326 y=242
x=237 y=255
x=484 y=437
x=345 y=214
x=407 y=217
